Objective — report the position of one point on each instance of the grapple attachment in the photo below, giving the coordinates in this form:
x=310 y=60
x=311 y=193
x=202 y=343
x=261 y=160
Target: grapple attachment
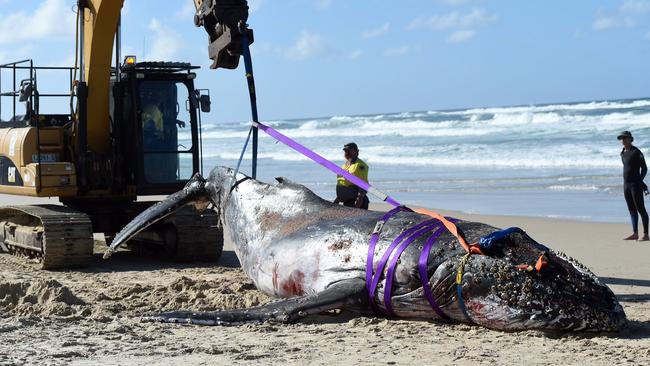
x=225 y=22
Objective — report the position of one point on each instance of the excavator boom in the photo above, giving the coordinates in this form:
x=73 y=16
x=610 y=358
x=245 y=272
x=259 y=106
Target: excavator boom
x=100 y=24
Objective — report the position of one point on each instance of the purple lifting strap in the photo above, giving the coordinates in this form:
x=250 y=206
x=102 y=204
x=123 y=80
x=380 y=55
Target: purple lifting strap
x=388 y=288
x=384 y=259
x=424 y=275
x=326 y=163
x=374 y=238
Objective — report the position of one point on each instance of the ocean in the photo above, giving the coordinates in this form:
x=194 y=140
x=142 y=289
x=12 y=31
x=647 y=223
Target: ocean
x=553 y=160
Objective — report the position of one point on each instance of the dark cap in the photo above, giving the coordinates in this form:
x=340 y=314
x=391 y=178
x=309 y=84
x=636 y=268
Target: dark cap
x=350 y=146
x=625 y=134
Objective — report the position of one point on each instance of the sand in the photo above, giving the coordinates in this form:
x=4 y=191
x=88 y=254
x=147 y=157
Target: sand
x=91 y=316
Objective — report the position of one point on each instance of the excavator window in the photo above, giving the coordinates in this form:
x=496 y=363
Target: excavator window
x=166 y=131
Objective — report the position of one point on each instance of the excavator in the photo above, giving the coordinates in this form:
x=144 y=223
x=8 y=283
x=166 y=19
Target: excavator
x=133 y=130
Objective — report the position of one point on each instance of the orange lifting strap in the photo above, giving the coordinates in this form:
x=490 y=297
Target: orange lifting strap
x=469 y=248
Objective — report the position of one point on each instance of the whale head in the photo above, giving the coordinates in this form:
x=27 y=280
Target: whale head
x=504 y=290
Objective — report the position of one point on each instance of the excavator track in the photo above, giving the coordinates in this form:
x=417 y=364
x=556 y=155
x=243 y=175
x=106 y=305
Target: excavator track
x=57 y=236
x=199 y=236
x=184 y=236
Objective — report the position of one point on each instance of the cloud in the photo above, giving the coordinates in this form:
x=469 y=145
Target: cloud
x=475 y=18
x=307 y=45
x=462 y=25
x=166 y=44
x=461 y=36
x=612 y=22
x=354 y=55
x=623 y=17
x=397 y=51
x=52 y=20
x=635 y=6
x=376 y=32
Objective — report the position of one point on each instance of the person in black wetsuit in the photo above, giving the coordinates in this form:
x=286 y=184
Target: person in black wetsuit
x=634 y=170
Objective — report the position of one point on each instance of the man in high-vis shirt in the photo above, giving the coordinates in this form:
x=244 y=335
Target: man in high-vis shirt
x=346 y=192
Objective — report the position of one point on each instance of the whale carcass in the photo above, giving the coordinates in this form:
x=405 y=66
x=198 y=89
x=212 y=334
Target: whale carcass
x=313 y=255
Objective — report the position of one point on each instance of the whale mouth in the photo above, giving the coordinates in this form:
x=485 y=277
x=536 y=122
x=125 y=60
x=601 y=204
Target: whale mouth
x=492 y=313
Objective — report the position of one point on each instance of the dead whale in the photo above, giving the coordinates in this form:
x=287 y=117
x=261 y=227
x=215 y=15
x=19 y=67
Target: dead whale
x=313 y=254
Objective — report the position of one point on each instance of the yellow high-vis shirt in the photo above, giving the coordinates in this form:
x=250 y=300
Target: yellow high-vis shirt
x=151 y=113
x=358 y=168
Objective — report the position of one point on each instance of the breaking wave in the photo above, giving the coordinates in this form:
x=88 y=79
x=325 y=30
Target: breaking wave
x=558 y=160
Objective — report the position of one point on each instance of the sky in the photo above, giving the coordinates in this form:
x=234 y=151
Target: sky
x=316 y=58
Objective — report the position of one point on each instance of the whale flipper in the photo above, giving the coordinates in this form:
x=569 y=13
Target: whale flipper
x=340 y=294
x=193 y=192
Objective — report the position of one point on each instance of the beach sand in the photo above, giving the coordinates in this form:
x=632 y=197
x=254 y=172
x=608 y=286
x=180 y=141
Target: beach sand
x=91 y=316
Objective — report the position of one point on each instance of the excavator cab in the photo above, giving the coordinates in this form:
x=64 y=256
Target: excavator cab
x=159 y=111
x=159 y=116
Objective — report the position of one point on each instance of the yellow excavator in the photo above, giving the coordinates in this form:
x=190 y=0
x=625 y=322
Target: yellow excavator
x=133 y=129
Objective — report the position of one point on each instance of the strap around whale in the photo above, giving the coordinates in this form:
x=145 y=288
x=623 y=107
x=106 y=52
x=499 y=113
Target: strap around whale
x=388 y=288
x=459 y=285
x=374 y=238
x=453 y=229
x=401 y=243
x=237 y=183
x=423 y=270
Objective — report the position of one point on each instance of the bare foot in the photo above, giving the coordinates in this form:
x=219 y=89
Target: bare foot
x=634 y=236
x=645 y=238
